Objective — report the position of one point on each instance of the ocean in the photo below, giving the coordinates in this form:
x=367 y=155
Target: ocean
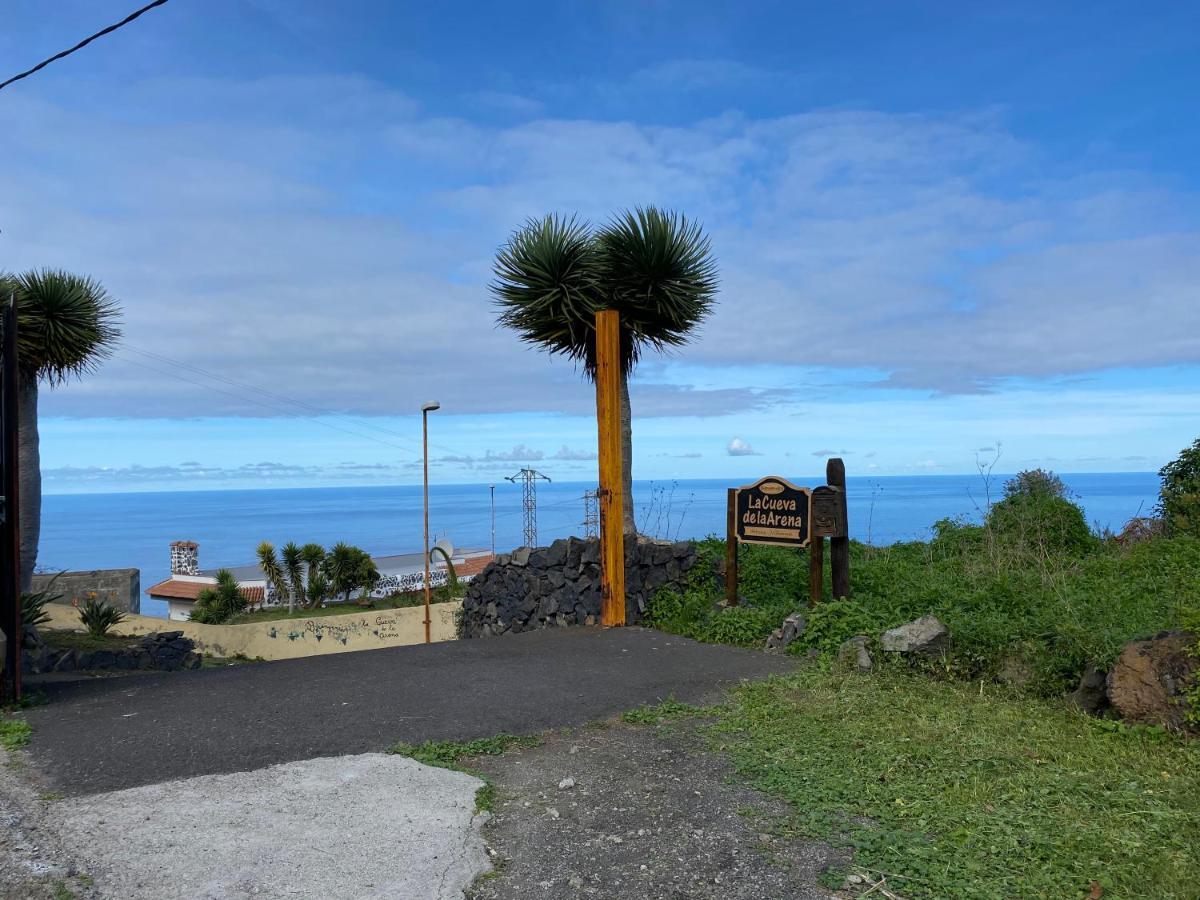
x=97 y=531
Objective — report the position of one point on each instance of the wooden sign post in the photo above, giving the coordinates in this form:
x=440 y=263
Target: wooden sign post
x=775 y=511
x=611 y=493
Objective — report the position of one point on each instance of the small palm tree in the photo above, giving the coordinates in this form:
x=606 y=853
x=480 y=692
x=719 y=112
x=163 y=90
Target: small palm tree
x=217 y=605
x=273 y=572
x=66 y=324
x=293 y=567
x=316 y=587
x=655 y=267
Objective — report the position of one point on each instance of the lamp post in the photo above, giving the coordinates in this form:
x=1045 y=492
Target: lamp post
x=426 y=409
x=492 y=488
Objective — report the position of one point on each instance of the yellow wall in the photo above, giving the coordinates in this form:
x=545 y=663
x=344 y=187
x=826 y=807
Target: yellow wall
x=291 y=638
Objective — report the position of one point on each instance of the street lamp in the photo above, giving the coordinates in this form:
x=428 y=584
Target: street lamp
x=426 y=409
x=492 y=488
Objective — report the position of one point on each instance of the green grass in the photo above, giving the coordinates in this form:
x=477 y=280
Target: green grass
x=1056 y=611
x=14 y=733
x=452 y=754
x=666 y=711
x=80 y=640
x=953 y=791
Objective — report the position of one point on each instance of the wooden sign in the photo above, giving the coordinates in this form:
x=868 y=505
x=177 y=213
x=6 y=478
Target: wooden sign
x=828 y=512
x=773 y=511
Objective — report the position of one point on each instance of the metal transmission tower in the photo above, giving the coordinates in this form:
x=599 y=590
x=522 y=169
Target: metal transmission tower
x=591 y=513
x=529 y=479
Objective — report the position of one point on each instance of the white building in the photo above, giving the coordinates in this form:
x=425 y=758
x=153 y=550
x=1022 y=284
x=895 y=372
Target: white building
x=402 y=572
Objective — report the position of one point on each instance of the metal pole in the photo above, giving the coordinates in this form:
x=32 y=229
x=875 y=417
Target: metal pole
x=425 y=553
x=492 y=489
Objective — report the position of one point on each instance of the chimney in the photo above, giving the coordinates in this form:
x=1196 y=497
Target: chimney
x=185 y=558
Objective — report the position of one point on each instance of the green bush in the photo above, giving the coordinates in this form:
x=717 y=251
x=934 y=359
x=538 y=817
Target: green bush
x=218 y=605
x=1179 y=496
x=98 y=617
x=1041 y=522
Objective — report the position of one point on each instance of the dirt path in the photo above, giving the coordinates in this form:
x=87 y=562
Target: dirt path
x=637 y=813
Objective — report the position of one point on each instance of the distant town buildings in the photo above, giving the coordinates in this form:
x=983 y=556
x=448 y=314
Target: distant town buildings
x=400 y=573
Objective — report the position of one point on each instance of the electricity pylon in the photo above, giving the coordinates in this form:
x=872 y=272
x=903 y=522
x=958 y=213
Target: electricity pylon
x=529 y=479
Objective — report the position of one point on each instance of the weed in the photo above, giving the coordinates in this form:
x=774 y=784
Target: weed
x=663 y=712
x=62 y=892
x=14 y=733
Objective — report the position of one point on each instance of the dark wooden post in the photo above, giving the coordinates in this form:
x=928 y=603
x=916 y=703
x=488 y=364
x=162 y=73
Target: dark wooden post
x=10 y=530
x=839 y=545
x=816 y=570
x=731 y=549
x=611 y=493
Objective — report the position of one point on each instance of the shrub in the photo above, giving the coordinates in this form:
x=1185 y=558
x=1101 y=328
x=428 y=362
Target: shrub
x=1179 y=495
x=1041 y=522
x=98 y=617
x=1035 y=483
x=33 y=606
x=217 y=605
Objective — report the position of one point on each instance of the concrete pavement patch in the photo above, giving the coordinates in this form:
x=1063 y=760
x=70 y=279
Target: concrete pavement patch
x=366 y=826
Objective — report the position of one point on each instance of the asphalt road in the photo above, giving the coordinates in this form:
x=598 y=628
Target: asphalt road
x=115 y=733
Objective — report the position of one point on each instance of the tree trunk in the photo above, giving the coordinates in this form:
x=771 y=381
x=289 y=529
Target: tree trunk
x=30 y=463
x=627 y=456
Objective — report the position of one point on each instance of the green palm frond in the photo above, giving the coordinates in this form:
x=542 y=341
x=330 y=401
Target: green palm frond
x=67 y=323
x=659 y=273
x=655 y=267
x=546 y=284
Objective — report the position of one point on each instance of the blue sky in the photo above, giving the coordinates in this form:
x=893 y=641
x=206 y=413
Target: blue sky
x=939 y=225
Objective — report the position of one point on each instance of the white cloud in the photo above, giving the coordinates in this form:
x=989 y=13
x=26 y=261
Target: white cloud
x=323 y=238
x=738 y=447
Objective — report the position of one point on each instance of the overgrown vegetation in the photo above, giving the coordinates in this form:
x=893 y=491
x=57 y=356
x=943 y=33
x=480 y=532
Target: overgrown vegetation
x=951 y=790
x=98 y=617
x=1179 y=498
x=1029 y=589
x=33 y=605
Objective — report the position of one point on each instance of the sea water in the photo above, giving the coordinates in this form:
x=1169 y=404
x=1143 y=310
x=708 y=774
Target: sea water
x=134 y=530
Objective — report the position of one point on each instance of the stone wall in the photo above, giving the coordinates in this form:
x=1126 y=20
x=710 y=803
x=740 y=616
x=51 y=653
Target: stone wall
x=168 y=650
x=559 y=585
x=120 y=588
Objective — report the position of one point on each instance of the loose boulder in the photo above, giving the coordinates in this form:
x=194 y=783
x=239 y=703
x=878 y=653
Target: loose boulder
x=853 y=655
x=1092 y=694
x=925 y=636
x=781 y=638
x=1151 y=678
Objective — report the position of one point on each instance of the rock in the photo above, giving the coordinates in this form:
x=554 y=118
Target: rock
x=854 y=656
x=1150 y=679
x=1092 y=694
x=793 y=626
x=566 y=784
x=520 y=556
x=165 y=636
x=1015 y=670
x=925 y=636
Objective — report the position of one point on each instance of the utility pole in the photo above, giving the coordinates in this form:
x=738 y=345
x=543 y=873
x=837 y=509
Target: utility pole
x=529 y=479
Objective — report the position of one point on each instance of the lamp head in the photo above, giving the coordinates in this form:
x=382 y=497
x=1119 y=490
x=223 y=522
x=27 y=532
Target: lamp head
x=430 y=406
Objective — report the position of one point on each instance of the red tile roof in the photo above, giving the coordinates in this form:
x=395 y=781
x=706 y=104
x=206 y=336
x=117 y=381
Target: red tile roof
x=172 y=589
x=472 y=565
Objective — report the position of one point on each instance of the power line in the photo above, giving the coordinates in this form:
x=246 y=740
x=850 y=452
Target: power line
x=272 y=395
x=111 y=28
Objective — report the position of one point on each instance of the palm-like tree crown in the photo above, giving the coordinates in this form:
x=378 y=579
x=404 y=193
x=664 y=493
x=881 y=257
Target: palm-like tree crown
x=655 y=267
x=67 y=323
